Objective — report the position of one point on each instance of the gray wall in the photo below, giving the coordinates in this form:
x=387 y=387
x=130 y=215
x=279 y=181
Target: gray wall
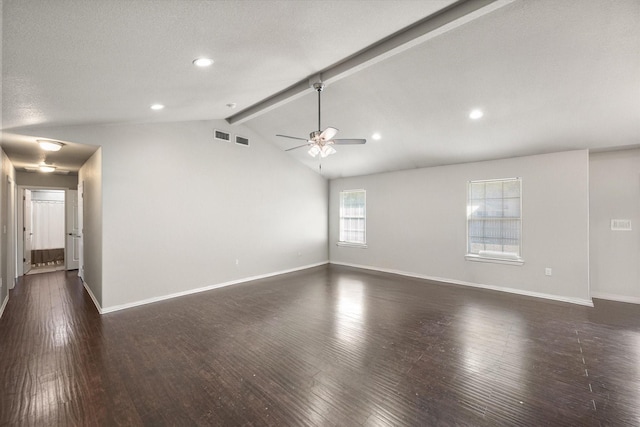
x=39 y=179
x=7 y=229
x=91 y=176
x=416 y=225
x=179 y=208
x=615 y=255
x=4 y=287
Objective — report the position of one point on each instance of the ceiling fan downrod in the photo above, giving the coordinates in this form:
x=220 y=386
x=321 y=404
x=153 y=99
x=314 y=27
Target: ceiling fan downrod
x=319 y=86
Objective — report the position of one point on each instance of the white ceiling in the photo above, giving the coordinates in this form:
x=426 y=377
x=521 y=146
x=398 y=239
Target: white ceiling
x=550 y=75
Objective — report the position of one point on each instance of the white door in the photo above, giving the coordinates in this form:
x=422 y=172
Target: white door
x=28 y=232
x=79 y=239
x=72 y=257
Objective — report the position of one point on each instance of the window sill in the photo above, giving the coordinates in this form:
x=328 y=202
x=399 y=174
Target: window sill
x=352 y=245
x=494 y=260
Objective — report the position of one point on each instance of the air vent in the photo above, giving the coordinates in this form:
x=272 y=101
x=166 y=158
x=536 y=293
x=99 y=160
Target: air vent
x=621 y=225
x=242 y=140
x=221 y=135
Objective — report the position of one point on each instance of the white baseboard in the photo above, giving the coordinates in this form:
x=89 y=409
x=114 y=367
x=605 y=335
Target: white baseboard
x=93 y=297
x=4 y=305
x=579 y=301
x=203 y=289
x=614 y=297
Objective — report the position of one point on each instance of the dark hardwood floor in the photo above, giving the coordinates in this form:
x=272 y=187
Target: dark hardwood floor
x=326 y=346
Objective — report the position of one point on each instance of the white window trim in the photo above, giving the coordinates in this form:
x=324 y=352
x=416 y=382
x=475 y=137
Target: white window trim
x=354 y=244
x=494 y=260
x=491 y=256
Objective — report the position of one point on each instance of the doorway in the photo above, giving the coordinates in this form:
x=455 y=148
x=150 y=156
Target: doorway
x=48 y=219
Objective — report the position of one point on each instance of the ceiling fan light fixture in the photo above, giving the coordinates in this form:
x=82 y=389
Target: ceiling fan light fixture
x=326 y=150
x=314 y=150
x=47 y=145
x=322 y=141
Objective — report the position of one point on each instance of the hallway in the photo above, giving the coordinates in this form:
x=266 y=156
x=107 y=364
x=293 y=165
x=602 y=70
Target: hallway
x=325 y=346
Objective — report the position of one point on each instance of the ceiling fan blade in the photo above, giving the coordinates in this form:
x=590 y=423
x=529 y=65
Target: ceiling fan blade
x=328 y=133
x=293 y=137
x=299 y=146
x=349 y=141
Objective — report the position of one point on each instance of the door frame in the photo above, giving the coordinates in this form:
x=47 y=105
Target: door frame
x=12 y=228
x=69 y=243
x=20 y=222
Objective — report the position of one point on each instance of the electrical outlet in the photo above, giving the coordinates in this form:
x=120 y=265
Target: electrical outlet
x=547 y=271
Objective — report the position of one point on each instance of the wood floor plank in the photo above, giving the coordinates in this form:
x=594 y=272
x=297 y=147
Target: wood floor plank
x=326 y=346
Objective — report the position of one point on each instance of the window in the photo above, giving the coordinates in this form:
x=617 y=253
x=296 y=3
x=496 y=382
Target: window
x=353 y=217
x=494 y=221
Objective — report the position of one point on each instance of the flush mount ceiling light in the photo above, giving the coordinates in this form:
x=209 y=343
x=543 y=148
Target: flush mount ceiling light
x=376 y=136
x=47 y=145
x=203 y=62
x=476 y=114
x=46 y=168
x=157 y=107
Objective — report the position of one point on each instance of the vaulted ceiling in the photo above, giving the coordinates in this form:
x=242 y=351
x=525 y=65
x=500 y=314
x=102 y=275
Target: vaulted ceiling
x=549 y=75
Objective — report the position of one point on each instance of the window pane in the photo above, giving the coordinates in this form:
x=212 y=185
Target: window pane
x=493 y=208
x=511 y=188
x=477 y=190
x=494 y=216
x=353 y=216
x=511 y=208
x=494 y=190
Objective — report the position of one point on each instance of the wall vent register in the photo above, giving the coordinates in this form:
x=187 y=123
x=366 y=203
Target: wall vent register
x=221 y=135
x=242 y=140
x=620 y=225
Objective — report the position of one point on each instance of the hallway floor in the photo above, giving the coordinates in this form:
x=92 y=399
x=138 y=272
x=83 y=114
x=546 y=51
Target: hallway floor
x=46 y=269
x=325 y=346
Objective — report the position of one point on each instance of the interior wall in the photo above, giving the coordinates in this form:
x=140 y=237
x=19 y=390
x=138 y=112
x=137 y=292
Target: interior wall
x=615 y=194
x=7 y=227
x=416 y=225
x=39 y=179
x=91 y=175
x=182 y=211
x=4 y=287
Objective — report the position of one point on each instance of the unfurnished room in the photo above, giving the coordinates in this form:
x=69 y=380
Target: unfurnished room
x=320 y=213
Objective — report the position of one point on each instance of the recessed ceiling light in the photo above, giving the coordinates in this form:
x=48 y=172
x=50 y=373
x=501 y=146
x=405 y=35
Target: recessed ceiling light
x=47 y=145
x=46 y=168
x=376 y=136
x=476 y=114
x=157 y=107
x=203 y=62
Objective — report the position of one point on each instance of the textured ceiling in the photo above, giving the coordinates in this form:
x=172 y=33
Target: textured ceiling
x=549 y=75
x=106 y=61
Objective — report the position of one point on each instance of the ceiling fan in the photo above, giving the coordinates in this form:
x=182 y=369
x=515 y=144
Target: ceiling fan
x=321 y=142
